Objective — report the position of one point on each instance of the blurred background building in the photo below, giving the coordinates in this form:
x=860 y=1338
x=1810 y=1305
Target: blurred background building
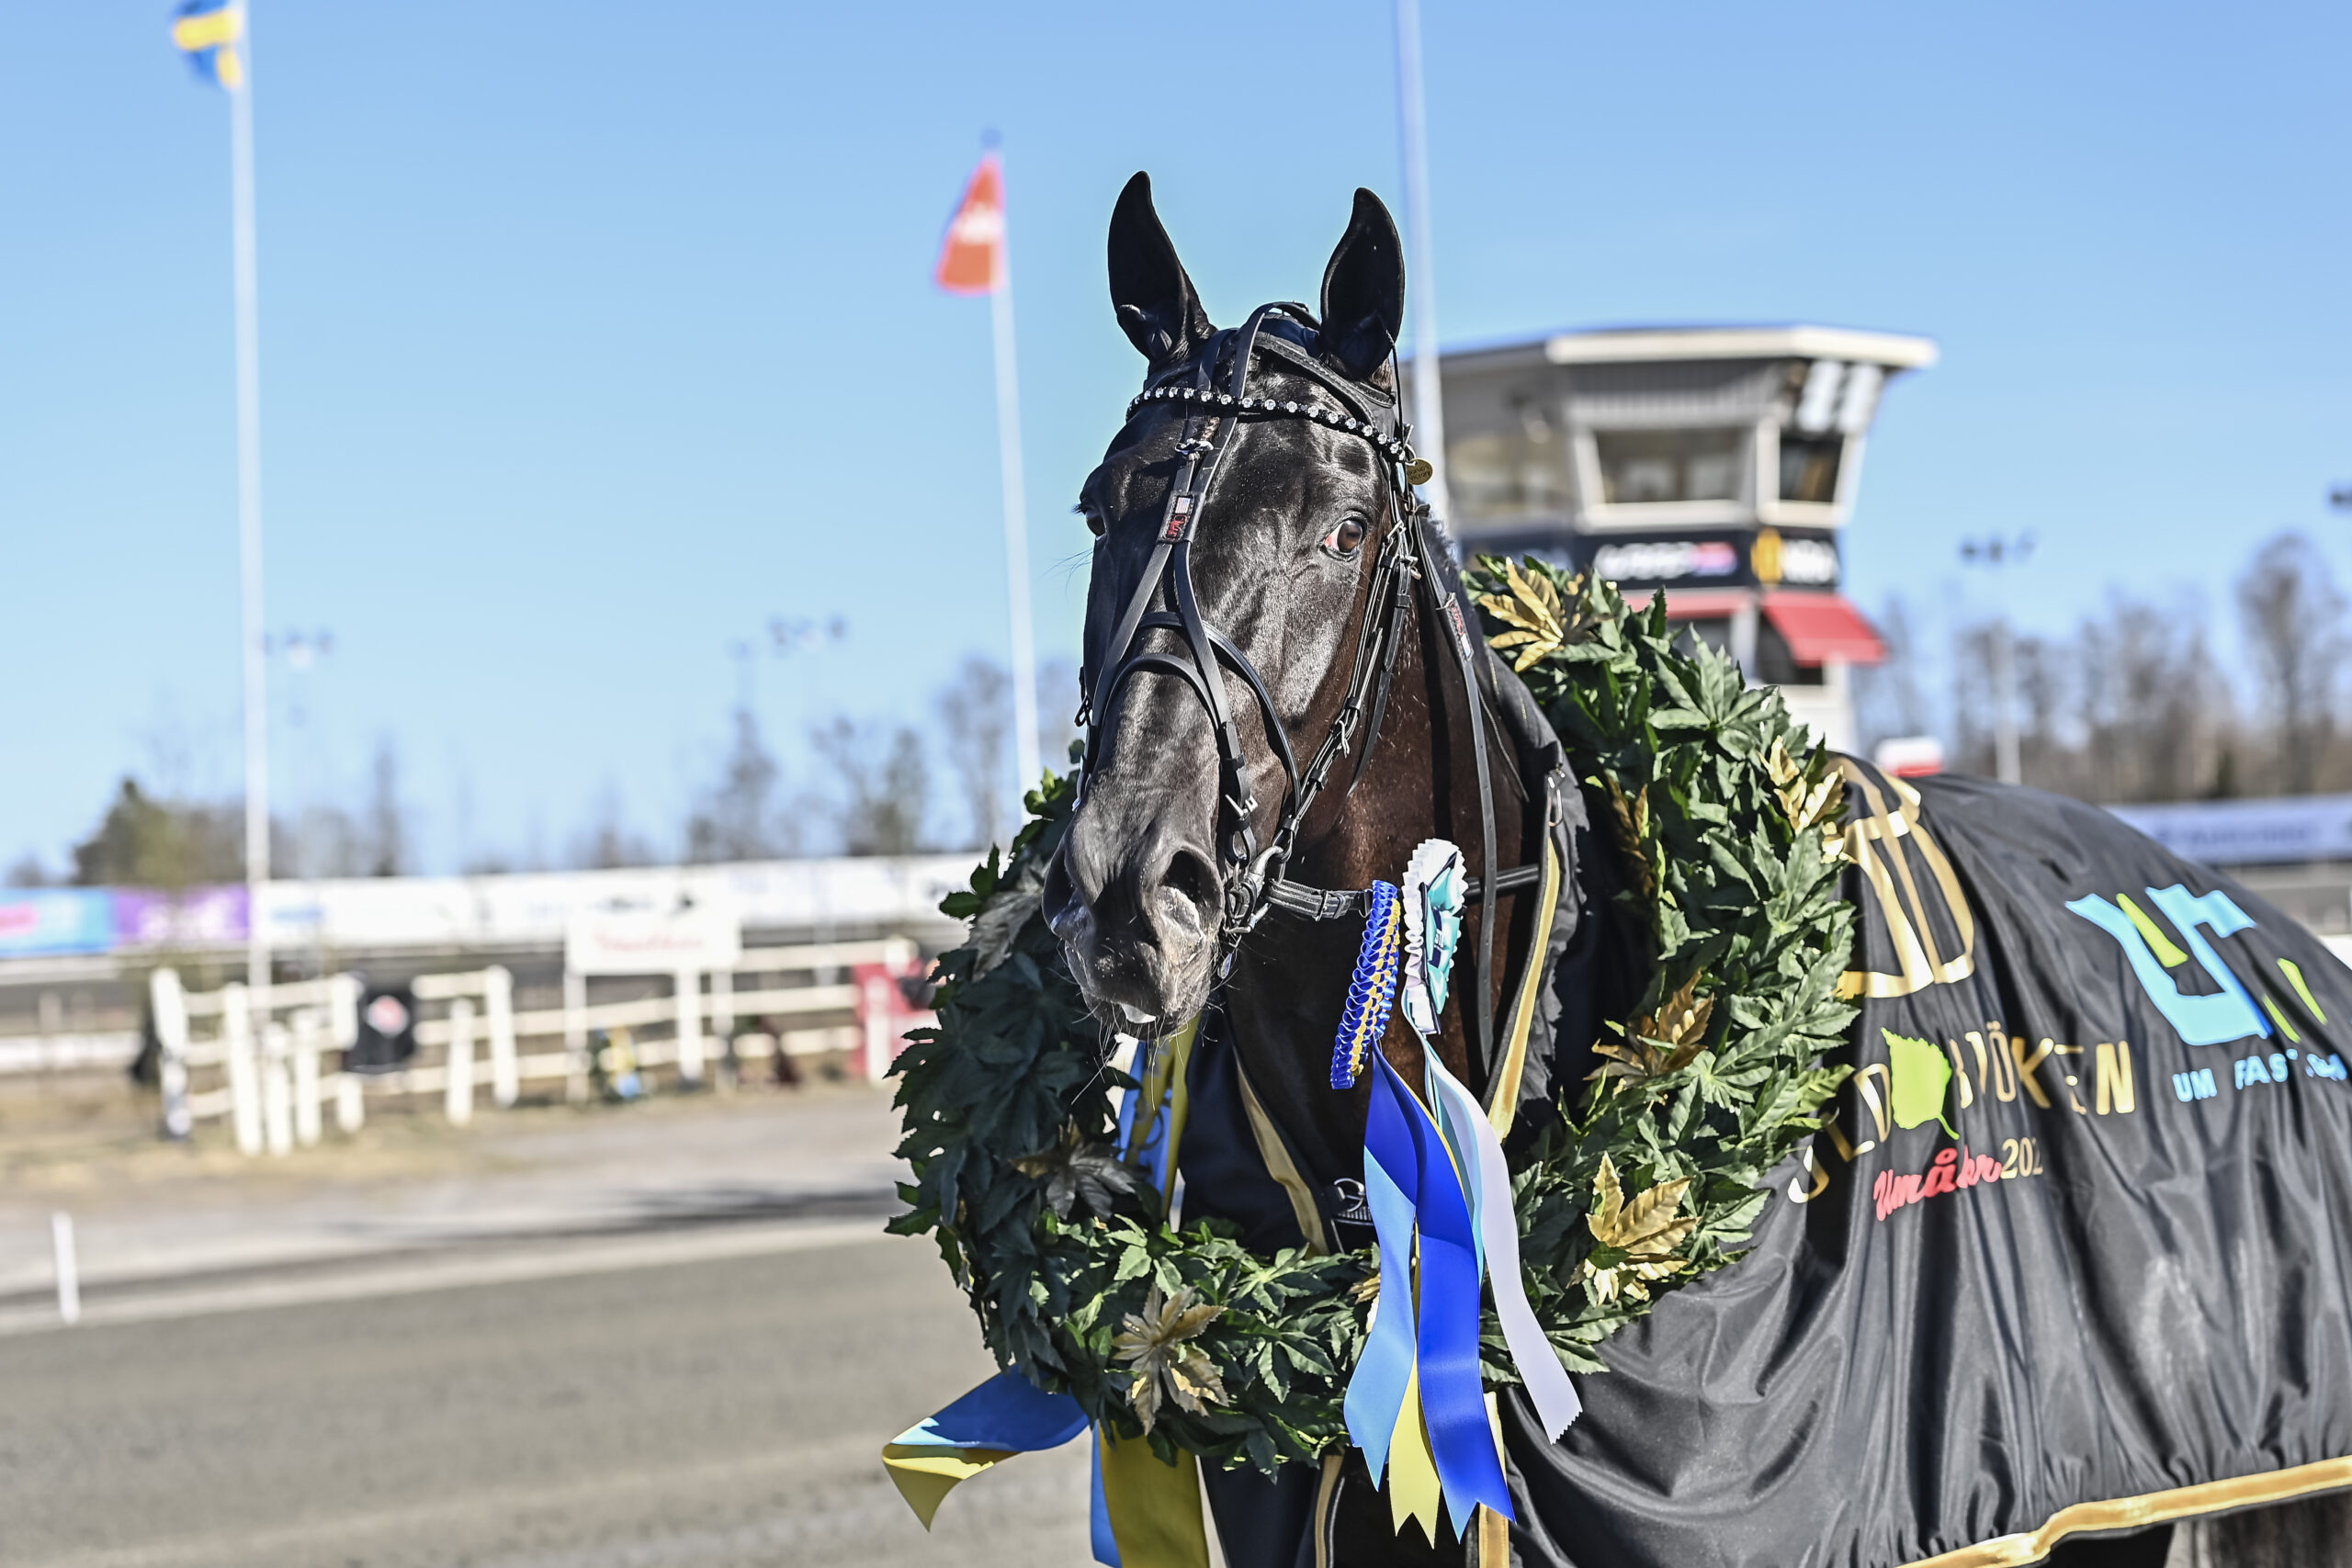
x=1719 y=462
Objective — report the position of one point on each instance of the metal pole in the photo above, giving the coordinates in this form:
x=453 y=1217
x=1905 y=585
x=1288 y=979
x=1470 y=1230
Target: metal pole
x=2006 y=765
x=241 y=184
x=1016 y=517
x=1428 y=400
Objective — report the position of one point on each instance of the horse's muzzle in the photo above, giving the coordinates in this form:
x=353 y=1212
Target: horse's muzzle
x=1139 y=927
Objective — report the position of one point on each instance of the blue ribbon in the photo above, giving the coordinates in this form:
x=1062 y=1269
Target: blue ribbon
x=1405 y=1151
x=1391 y=1178
x=1007 y=1412
x=1098 y=1514
x=1371 y=993
x=1452 y=1395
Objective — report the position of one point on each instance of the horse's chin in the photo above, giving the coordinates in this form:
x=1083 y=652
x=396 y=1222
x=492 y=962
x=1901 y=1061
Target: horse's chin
x=1145 y=992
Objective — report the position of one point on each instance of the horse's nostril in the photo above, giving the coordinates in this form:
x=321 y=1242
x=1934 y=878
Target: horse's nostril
x=1191 y=878
x=1058 y=897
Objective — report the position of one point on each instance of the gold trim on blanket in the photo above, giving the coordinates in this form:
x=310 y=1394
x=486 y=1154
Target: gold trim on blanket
x=2151 y=1509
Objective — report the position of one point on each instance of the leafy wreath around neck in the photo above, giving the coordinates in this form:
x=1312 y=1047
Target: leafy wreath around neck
x=1724 y=817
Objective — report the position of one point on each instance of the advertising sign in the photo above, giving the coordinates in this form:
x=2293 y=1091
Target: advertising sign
x=701 y=937
x=47 y=920
x=1738 y=558
x=2289 y=832
x=192 y=917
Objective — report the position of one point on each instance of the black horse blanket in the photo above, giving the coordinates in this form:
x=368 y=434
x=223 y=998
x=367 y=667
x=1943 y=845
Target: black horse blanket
x=2072 y=1256
x=2069 y=1260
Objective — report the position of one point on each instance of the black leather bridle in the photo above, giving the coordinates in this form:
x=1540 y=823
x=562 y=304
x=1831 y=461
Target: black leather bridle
x=1408 y=551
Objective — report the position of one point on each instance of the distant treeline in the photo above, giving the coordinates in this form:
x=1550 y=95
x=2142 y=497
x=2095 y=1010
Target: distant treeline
x=2134 y=704
x=848 y=788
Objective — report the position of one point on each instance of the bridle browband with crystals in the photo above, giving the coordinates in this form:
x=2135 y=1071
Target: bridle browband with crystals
x=1407 y=552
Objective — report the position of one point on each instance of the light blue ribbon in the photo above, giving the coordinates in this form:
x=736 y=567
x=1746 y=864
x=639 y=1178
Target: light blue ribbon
x=1400 y=1136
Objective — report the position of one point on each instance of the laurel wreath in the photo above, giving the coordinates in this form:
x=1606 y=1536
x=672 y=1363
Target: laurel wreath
x=1725 y=819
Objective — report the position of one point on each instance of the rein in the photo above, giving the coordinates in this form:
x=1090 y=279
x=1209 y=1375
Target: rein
x=1410 y=552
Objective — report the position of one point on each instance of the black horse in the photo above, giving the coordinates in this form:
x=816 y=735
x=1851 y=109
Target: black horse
x=1871 y=1386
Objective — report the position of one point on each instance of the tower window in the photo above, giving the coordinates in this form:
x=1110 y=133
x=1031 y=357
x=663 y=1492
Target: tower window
x=1639 y=467
x=1809 y=467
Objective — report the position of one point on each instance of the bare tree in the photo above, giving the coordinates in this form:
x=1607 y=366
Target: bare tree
x=327 y=841
x=387 y=832
x=975 y=710
x=27 y=871
x=1057 y=703
x=2291 y=615
x=610 y=844
x=1890 y=697
x=2126 y=709
x=885 y=786
x=734 y=820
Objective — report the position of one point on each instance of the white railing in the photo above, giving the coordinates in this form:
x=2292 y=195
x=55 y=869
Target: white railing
x=261 y=1052
x=69 y=1052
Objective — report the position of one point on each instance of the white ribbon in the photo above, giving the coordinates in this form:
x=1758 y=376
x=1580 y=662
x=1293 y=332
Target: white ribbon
x=1479 y=1154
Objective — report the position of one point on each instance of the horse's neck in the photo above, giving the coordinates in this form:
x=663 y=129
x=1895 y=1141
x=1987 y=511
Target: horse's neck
x=1290 y=980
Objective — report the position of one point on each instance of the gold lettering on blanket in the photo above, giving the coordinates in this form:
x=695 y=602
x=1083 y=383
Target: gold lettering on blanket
x=1880 y=842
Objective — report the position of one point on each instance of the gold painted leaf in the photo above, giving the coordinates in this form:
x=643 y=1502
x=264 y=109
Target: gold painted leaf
x=1647 y=1229
x=1631 y=818
x=1532 y=608
x=1154 y=1344
x=1805 y=805
x=1646 y=1226
x=1660 y=1043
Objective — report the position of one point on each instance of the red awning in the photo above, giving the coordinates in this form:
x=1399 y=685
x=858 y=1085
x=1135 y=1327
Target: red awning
x=1823 y=629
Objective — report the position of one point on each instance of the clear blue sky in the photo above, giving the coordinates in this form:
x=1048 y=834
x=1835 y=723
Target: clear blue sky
x=594 y=335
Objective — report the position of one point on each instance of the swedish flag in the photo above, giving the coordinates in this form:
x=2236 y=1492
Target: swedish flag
x=208 y=32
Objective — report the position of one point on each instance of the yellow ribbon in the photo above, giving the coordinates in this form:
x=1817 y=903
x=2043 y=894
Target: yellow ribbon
x=1154 y=1508
x=1413 y=1489
x=925 y=1475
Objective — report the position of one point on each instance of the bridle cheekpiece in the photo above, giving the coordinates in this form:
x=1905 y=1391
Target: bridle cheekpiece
x=1256 y=880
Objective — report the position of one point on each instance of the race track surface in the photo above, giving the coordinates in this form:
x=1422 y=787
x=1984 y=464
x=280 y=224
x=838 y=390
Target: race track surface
x=719 y=1413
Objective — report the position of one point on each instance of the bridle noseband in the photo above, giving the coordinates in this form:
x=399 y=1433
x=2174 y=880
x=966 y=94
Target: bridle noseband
x=1406 y=552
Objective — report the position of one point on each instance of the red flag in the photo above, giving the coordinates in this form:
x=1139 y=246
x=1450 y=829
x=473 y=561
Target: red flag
x=972 y=260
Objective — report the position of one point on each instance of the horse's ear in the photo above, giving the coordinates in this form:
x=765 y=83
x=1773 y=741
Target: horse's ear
x=1158 y=309
x=1363 y=290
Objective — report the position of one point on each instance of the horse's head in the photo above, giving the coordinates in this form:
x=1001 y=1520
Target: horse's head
x=1243 y=516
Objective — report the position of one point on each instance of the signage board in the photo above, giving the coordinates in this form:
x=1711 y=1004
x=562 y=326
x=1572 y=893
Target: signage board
x=1722 y=558
x=2288 y=830
x=701 y=937
x=192 y=917
x=44 y=920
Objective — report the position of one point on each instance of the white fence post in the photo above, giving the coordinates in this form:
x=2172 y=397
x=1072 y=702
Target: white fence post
x=169 y=1004
x=459 y=1097
x=69 y=1267
x=277 y=1088
x=880 y=994
x=306 y=1076
x=575 y=1036
x=343 y=1012
x=244 y=1073
x=350 y=1107
x=689 y=1028
x=498 y=999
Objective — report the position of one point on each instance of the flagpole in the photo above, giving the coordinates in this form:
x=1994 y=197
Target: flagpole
x=256 y=674
x=1016 y=514
x=1429 y=401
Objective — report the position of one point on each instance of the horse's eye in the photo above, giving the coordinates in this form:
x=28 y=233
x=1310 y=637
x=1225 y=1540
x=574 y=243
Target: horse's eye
x=1094 y=518
x=1345 y=539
